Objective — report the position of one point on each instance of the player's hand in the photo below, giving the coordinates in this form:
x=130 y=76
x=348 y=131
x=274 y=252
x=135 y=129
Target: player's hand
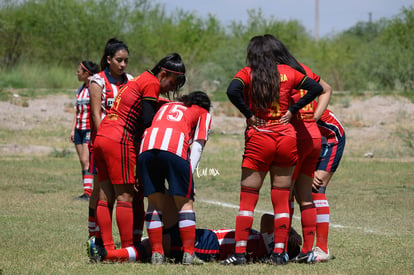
x=317 y=182
x=285 y=119
x=251 y=122
x=72 y=136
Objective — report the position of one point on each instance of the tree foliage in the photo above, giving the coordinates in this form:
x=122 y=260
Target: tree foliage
x=370 y=55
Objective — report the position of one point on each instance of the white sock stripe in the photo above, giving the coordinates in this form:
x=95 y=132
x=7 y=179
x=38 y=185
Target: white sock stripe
x=186 y=223
x=282 y=215
x=241 y=243
x=90 y=181
x=153 y=224
x=280 y=245
x=322 y=218
x=132 y=254
x=246 y=213
x=321 y=203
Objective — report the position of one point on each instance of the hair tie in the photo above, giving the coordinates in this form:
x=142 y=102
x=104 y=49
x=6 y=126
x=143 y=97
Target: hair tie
x=171 y=71
x=86 y=69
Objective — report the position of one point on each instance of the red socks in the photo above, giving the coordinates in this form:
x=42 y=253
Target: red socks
x=154 y=229
x=104 y=217
x=124 y=220
x=244 y=220
x=187 y=225
x=280 y=201
x=128 y=254
x=308 y=218
x=322 y=220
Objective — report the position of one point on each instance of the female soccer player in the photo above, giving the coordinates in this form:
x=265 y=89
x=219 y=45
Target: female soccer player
x=165 y=154
x=104 y=87
x=333 y=144
x=114 y=148
x=308 y=144
x=262 y=92
x=81 y=127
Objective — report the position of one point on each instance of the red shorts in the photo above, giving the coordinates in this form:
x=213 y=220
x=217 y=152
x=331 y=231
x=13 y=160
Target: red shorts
x=115 y=161
x=309 y=150
x=265 y=149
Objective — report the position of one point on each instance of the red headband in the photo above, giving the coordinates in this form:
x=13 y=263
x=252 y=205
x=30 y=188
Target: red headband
x=171 y=71
x=86 y=69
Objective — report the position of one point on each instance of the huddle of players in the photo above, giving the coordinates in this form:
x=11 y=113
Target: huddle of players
x=163 y=153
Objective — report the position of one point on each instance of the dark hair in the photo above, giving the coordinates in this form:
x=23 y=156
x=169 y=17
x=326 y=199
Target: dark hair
x=111 y=48
x=265 y=75
x=196 y=98
x=90 y=67
x=281 y=53
x=172 y=64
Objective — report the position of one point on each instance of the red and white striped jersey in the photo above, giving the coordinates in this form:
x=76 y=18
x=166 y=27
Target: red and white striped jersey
x=83 y=109
x=110 y=88
x=330 y=127
x=175 y=127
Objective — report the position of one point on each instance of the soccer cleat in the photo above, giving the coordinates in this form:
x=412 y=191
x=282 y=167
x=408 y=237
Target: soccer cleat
x=235 y=259
x=92 y=250
x=157 y=258
x=83 y=197
x=191 y=259
x=279 y=258
x=307 y=258
x=321 y=256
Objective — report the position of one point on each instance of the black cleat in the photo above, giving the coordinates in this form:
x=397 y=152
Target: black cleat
x=235 y=259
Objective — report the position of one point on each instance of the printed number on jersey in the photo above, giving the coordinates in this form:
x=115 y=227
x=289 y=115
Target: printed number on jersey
x=173 y=114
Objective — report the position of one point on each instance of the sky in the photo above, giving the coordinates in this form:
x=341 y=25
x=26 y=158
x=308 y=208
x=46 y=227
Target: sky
x=334 y=15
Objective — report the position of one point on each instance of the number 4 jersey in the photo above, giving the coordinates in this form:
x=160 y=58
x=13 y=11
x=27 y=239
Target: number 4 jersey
x=175 y=127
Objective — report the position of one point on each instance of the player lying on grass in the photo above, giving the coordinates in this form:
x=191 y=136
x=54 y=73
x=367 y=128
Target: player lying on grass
x=211 y=245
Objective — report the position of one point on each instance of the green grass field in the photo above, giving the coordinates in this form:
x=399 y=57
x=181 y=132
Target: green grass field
x=43 y=229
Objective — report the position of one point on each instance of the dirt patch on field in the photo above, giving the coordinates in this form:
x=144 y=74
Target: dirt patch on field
x=378 y=126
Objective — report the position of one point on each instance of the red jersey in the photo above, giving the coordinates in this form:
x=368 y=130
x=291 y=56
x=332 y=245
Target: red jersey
x=83 y=109
x=175 y=127
x=330 y=127
x=290 y=81
x=121 y=122
x=304 y=122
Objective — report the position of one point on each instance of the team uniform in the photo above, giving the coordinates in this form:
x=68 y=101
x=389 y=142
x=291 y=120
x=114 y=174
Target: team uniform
x=279 y=139
x=333 y=144
x=116 y=153
x=309 y=146
x=272 y=145
x=173 y=130
x=165 y=154
x=109 y=90
x=83 y=130
x=114 y=144
x=307 y=133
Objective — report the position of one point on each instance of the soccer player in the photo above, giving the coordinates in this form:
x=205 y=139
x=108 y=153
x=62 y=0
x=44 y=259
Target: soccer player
x=81 y=127
x=104 y=87
x=114 y=149
x=333 y=144
x=262 y=92
x=165 y=155
x=308 y=144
